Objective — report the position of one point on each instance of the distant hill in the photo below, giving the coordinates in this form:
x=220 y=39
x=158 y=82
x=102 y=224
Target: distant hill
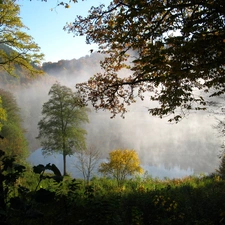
x=74 y=67
x=63 y=69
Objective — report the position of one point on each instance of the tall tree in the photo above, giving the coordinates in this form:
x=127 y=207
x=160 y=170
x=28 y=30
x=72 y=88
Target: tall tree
x=121 y=163
x=17 y=48
x=177 y=47
x=60 y=129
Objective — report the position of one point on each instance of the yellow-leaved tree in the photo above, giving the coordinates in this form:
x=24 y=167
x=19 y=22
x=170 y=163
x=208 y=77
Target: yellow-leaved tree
x=121 y=163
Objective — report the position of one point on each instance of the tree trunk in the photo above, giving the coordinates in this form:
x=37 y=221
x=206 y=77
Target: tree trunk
x=64 y=164
x=64 y=157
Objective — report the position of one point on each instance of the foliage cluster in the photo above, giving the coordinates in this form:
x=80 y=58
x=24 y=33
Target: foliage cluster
x=17 y=48
x=122 y=163
x=171 y=48
x=3 y=115
x=221 y=169
x=13 y=142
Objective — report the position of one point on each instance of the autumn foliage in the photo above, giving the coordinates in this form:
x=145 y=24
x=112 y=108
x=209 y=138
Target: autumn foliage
x=121 y=163
x=171 y=48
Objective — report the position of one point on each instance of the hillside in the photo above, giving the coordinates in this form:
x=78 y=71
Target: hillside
x=74 y=66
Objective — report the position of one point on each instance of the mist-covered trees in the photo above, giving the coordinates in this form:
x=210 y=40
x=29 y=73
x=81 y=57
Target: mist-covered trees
x=121 y=163
x=176 y=47
x=17 y=48
x=14 y=142
x=60 y=129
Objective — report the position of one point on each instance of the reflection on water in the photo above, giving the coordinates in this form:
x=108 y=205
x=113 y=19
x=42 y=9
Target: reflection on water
x=153 y=171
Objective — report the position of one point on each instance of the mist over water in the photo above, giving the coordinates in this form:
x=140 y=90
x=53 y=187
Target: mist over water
x=191 y=145
x=173 y=150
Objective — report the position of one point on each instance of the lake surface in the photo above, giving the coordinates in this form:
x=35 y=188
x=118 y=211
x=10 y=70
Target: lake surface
x=57 y=159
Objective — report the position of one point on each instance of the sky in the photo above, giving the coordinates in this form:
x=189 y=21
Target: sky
x=46 y=22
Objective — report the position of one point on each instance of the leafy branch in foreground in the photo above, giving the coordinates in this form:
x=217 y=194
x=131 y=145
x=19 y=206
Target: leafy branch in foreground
x=17 y=48
x=172 y=49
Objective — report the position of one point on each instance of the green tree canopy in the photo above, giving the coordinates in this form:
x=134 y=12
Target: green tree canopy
x=60 y=129
x=14 y=142
x=16 y=47
x=176 y=47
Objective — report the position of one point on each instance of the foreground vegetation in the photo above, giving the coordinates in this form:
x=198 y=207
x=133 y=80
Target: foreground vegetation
x=40 y=195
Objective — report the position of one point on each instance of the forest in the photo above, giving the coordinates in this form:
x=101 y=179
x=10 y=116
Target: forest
x=146 y=98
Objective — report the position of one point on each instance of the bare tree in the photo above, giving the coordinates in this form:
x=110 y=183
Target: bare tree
x=87 y=161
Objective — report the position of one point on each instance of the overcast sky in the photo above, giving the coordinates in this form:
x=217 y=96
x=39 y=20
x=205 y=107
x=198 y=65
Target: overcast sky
x=46 y=27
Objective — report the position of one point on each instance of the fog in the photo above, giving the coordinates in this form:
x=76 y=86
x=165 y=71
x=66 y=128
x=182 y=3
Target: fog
x=173 y=150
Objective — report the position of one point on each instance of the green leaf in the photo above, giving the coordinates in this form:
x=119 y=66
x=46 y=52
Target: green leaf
x=54 y=169
x=39 y=169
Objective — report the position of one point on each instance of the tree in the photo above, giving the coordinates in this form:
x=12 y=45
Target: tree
x=221 y=169
x=220 y=126
x=87 y=161
x=3 y=116
x=16 y=47
x=60 y=128
x=121 y=163
x=14 y=142
x=171 y=48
